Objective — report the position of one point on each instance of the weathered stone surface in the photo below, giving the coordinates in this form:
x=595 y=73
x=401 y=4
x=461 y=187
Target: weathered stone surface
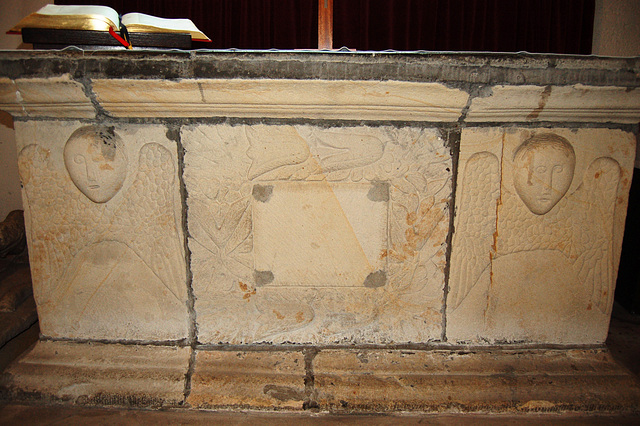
x=104 y=227
x=479 y=67
x=98 y=374
x=257 y=379
x=574 y=103
x=48 y=97
x=483 y=380
x=283 y=98
x=538 y=232
x=307 y=234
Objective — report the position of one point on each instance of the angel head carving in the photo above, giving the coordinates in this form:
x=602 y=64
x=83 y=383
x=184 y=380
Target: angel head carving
x=544 y=166
x=95 y=159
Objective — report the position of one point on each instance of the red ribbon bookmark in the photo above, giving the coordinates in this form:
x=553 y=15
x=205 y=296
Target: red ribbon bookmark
x=120 y=39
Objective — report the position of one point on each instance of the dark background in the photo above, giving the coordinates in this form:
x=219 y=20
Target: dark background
x=540 y=26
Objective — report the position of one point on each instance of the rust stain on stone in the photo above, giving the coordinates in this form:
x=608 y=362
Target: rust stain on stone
x=541 y=103
x=300 y=317
x=278 y=315
x=247 y=292
x=422 y=226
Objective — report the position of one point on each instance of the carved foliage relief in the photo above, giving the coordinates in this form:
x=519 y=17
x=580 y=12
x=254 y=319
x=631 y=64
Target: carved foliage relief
x=104 y=227
x=306 y=234
x=538 y=229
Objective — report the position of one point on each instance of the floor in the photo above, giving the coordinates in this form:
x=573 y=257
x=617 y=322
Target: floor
x=623 y=342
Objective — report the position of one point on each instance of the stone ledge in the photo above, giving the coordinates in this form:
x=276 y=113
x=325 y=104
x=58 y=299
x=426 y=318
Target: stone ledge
x=326 y=380
x=487 y=381
x=98 y=374
x=248 y=379
x=461 y=68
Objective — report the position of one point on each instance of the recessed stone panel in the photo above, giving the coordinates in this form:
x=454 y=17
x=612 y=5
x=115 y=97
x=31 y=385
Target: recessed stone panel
x=317 y=234
x=538 y=232
x=104 y=227
x=306 y=234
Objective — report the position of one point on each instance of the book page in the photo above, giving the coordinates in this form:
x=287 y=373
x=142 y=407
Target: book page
x=107 y=12
x=139 y=22
x=97 y=18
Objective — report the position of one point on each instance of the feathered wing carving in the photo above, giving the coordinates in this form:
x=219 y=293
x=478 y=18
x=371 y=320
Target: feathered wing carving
x=60 y=222
x=149 y=210
x=476 y=224
x=593 y=242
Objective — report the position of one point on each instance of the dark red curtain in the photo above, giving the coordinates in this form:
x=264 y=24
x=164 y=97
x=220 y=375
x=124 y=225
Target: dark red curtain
x=547 y=26
x=543 y=26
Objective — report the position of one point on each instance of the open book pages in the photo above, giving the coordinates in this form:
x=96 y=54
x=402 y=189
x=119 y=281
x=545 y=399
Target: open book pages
x=93 y=18
x=101 y=18
x=141 y=23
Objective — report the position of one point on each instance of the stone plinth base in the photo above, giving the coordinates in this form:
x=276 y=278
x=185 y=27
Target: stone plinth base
x=98 y=374
x=472 y=381
x=336 y=380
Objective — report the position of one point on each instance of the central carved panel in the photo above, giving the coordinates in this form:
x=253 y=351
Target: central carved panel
x=307 y=234
x=317 y=234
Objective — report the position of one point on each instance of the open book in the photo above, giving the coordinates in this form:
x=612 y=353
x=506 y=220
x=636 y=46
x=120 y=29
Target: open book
x=103 y=18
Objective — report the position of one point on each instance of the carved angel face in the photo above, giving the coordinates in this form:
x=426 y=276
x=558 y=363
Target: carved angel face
x=96 y=162
x=544 y=168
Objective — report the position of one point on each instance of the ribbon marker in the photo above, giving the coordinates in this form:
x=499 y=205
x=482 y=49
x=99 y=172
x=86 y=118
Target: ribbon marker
x=120 y=39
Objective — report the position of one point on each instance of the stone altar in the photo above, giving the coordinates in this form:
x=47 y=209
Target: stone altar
x=339 y=231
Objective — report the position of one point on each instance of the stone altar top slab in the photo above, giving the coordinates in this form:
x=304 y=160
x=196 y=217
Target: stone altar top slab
x=390 y=86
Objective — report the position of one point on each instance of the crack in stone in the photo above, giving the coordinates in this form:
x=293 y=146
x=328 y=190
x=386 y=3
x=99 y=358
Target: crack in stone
x=453 y=142
x=87 y=87
x=188 y=376
x=311 y=396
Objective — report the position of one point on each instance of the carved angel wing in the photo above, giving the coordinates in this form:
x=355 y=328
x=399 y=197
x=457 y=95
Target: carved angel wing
x=57 y=215
x=148 y=216
x=476 y=224
x=593 y=233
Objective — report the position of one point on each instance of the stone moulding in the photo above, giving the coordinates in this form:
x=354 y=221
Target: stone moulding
x=316 y=99
x=346 y=100
x=268 y=229
x=577 y=103
x=52 y=97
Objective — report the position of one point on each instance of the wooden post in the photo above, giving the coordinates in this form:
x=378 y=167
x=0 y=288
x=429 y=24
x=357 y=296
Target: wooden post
x=325 y=24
